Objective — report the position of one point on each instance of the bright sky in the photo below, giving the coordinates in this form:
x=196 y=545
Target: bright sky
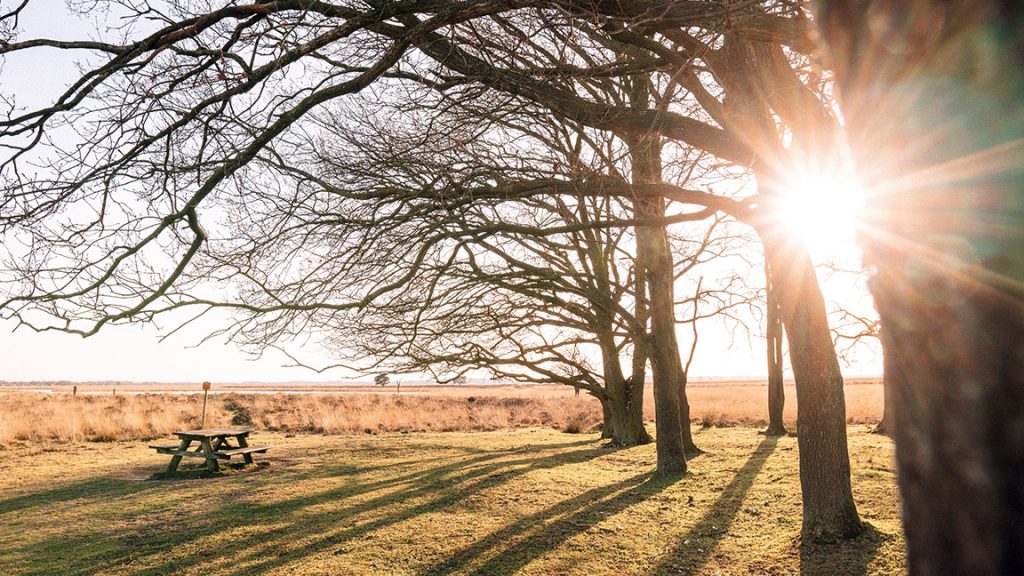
x=134 y=352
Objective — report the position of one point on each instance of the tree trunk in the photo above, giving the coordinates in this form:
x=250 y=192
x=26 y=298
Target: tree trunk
x=652 y=246
x=623 y=405
x=945 y=239
x=652 y=242
x=750 y=106
x=607 y=422
x=637 y=380
x=635 y=406
x=776 y=385
x=627 y=421
x=886 y=424
x=829 y=512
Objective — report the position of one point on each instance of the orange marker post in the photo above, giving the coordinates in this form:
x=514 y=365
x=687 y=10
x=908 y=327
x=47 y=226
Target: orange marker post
x=206 y=392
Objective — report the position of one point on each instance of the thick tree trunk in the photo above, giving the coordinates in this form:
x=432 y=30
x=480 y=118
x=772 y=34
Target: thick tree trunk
x=829 y=512
x=945 y=239
x=661 y=347
x=627 y=422
x=635 y=406
x=773 y=332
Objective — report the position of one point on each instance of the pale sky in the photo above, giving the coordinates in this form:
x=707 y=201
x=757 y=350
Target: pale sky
x=134 y=352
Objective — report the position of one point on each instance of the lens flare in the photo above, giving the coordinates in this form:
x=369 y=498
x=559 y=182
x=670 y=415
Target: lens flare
x=822 y=209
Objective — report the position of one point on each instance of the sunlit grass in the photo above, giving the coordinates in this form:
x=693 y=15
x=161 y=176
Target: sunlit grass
x=532 y=501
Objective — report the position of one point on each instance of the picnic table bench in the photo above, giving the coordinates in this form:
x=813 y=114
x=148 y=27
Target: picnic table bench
x=214 y=444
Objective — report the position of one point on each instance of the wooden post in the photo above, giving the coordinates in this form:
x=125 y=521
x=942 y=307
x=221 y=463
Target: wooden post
x=206 y=392
x=74 y=391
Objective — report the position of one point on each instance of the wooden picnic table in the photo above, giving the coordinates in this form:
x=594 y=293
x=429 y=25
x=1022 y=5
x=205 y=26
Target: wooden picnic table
x=214 y=444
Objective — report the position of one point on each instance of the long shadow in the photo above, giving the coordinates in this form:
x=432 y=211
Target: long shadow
x=108 y=488
x=585 y=517
x=92 y=488
x=440 y=486
x=442 y=494
x=716 y=521
x=848 y=558
x=84 y=547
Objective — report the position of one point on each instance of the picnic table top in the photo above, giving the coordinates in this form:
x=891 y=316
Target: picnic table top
x=214 y=432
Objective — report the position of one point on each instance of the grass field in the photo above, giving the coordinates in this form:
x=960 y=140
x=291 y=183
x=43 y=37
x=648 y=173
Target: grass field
x=105 y=417
x=528 y=501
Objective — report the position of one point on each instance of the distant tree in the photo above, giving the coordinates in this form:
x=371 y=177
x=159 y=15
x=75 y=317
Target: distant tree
x=460 y=380
x=381 y=380
x=774 y=340
x=852 y=329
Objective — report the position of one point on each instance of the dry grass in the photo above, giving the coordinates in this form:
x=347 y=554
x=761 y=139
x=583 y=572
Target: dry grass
x=61 y=417
x=530 y=502
x=745 y=403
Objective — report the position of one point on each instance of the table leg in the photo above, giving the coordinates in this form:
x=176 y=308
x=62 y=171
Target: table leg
x=176 y=459
x=211 y=458
x=243 y=443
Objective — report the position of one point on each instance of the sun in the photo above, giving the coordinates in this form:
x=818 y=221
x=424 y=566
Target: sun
x=822 y=208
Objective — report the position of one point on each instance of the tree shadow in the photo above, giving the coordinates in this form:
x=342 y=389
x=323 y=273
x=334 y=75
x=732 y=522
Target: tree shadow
x=716 y=521
x=108 y=487
x=584 y=511
x=274 y=527
x=847 y=558
x=87 y=489
x=442 y=492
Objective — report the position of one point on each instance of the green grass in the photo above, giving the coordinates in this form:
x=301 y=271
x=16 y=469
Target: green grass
x=532 y=501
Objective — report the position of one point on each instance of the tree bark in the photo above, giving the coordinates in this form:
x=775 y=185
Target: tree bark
x=776 y=385
x=627 y=421
x=945 y=240
x=829 y=513
x=654 y=251
x=662 y=347
x=623 y=404
x=607 y=422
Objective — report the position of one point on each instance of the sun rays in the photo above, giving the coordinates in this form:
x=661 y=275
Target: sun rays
x=821 y=208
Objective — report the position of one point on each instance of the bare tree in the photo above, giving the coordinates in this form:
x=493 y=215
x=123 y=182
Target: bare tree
x=147 y=200
x=528 y=297
x=853 y=330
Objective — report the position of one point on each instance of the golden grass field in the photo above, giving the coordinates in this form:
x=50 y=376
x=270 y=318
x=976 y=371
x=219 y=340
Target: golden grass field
x=532 y=501
x=107 y=417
